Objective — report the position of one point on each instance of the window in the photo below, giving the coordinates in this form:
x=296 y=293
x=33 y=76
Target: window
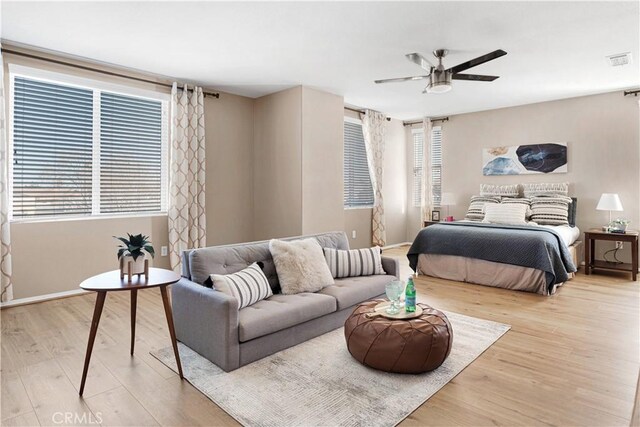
x=436 y=165
x=83 y=150
x=358 y=192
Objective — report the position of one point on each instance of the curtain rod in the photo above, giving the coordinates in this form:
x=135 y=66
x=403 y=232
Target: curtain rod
x=355 y=110
x=632 y=92
x=96 y=70
x=415 y=122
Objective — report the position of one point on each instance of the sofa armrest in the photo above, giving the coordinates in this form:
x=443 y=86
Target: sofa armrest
x=207 y=321
x=391 y=266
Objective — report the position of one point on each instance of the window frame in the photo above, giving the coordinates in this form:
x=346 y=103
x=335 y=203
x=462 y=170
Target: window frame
x=353 y=120
x=97 y=87
x=415 y=183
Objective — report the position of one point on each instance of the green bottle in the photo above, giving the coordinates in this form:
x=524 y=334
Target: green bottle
x=410 y=296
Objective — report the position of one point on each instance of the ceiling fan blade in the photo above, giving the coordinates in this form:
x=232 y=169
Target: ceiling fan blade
x=474 y=77
x=477 y=61
x=420 y=60
x=402 y=79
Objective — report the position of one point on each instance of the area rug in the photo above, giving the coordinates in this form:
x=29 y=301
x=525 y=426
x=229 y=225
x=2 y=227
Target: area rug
x=318 y=383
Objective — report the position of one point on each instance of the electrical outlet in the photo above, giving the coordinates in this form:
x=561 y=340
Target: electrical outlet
x=619 y=245
x=353 y=234
x=163 y=251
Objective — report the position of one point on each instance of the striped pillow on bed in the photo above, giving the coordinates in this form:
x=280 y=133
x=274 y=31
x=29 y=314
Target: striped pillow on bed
x=476 y=207
x=356 y=262
x=248 y=286
x=550 y=210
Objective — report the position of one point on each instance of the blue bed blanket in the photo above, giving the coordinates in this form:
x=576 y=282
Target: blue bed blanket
x=527 y=246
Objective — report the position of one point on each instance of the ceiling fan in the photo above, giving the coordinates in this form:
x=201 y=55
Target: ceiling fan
x=439 y=78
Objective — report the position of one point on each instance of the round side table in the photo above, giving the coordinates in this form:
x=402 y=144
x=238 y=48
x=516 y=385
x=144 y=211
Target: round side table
x=112 y=282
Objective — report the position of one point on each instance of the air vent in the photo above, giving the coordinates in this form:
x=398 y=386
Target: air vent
x=619 y=59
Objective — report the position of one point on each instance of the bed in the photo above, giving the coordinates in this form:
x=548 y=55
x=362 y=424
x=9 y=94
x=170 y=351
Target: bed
x=528 y=258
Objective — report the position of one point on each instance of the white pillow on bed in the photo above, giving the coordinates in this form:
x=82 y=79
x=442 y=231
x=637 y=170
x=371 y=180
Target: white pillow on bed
x=507 y=214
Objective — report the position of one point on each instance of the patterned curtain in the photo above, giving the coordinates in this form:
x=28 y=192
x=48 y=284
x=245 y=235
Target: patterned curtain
x=5 y=235
x=373 y=128
x=426 y=204
x=187 y=224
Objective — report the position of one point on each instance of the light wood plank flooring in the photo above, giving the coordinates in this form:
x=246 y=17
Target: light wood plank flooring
x=570 y=359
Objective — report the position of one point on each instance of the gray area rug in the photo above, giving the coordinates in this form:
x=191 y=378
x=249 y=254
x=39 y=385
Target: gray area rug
x=318 y=383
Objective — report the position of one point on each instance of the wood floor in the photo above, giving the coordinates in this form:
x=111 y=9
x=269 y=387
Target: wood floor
x=570 y=359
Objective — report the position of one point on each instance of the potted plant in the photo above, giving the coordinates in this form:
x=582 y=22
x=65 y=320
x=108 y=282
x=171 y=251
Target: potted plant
x=132 y=251
x=619 y=225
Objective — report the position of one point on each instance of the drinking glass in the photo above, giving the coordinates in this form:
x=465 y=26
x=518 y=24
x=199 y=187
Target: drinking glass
x=393 y=291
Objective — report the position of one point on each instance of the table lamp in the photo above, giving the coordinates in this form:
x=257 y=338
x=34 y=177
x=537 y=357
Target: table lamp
x=609 y=202
x=448 y=199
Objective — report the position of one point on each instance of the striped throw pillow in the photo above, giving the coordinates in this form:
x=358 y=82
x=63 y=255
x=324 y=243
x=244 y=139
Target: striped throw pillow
x=248 y=286
x=551 y=210
x=509 y=190
x=356 y=262
x=546 y=189
x=507 y=214
x=476 y=207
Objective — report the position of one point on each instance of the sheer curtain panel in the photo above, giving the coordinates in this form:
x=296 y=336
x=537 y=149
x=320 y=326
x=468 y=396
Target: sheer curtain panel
x=5 y=234
x=373 y=129
x=187 y=222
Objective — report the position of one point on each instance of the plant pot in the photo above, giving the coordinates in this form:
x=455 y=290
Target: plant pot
x=137 y=266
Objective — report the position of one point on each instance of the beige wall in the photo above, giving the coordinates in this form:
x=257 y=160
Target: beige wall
x=55 y=256
x=603 y=149
x=322 y=161
x=277 y=171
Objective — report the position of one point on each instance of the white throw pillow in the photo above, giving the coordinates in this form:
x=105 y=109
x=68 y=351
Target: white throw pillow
x=356 y=262
x=300 y=266
x=248 y=286
x=507 y=214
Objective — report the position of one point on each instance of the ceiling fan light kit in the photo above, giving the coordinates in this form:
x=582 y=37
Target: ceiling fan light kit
x=439 y=77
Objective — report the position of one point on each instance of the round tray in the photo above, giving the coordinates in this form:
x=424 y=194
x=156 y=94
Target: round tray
x=380 y=311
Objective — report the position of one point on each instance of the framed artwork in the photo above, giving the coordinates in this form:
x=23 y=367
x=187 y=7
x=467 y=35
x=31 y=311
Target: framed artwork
x=549 y=157
x=435 y=215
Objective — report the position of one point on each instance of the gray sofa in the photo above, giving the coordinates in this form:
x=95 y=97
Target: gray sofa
x=210 y=323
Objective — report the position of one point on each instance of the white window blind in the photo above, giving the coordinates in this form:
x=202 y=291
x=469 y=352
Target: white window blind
x=436 y=166
x=52 y=149
x=358 y=191
x=85 y=151
x=130 y=154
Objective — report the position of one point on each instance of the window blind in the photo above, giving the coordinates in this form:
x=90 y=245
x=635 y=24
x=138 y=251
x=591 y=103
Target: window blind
x=130 y=154
x=358 y=191
x=436 y=166
x=85 y=151
x=52 y=149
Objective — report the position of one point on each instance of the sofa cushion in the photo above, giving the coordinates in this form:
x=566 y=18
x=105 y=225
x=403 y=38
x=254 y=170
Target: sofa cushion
x=280 y=312
x=230 y=259
x=354 y=290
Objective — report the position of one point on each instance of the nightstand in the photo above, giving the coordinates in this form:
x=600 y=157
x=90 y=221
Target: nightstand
x=428 y=223
x=631 y=237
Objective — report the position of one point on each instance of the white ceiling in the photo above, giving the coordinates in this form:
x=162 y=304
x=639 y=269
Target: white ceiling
x=555 y=49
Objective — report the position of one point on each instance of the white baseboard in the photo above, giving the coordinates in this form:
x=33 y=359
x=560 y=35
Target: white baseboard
x=41 y=298
x=396 y=245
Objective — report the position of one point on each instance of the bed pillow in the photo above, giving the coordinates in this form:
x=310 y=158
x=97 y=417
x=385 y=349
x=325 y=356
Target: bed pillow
x=510 y=190
x=248 y=286
x=356 y=262
x=300 y=266
x=518 y=201
x=546 y=189
x=507 y=214
x=550 y=210
x=476 y=207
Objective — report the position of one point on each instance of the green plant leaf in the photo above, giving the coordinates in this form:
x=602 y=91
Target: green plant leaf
x=121 y=252
x=151 y=251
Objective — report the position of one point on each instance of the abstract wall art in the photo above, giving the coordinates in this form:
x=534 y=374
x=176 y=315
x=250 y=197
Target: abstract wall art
x=549 y=157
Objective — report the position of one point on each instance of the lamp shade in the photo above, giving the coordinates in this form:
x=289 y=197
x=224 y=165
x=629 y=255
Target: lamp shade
x=609 y=202
x=448 y=199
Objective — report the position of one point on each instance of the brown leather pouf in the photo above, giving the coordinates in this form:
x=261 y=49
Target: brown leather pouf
x=403 y=346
